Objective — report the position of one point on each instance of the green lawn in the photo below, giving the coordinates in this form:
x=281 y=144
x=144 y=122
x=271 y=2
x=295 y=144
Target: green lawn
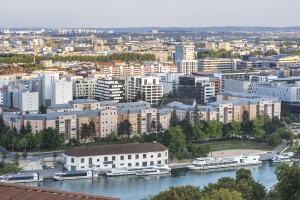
x=237 y=144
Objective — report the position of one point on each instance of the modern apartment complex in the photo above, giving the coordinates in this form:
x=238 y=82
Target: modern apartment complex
x=84 y=88
x=109 y=89
x=217 y=64
x=148 y=87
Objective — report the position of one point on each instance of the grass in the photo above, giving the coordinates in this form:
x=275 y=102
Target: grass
x=291 y=149
x=237 y=144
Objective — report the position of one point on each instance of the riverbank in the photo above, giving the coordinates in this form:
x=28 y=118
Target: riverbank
x=235 y=152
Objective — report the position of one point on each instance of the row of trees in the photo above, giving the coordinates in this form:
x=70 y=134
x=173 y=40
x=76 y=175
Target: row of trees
x=127 y=57
x=262 y=128
x=243 y=187
x=25 y=140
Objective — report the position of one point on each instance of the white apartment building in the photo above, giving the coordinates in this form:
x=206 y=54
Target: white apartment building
x=117 y=156
x=61 y=92
x=237 y=86
x=217 y=64
x=46 y=87
x=149 y=87
x=109 y=89
x=26 y=101
x=185 y=52
x=187 y=67
x=84 y=88
x=285 y=92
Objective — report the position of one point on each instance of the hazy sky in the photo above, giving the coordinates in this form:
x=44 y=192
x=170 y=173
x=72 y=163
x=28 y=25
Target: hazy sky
x=142 y=13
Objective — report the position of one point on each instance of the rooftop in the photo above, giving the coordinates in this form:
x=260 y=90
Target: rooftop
x=115 y=149
x=10 y=191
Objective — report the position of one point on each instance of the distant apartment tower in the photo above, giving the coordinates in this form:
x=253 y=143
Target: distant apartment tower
x=214 y=64
x=185 y=57
x=199 y=88
x=26 y=101
x=148 y=87
x=109 y=89
x=84 y=88
x=61 y=92
x=45 y=87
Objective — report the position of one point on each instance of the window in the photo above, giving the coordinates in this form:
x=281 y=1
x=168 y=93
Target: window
x=98 y=160
x=122 y=158
x=129 y=164
x=159 y=155
x=72 y=160
x=105 y=158
x=151 y=163
x=144 y=155
x=151 y=156
x=159 y=162
x=113 y=157
x=129 y=157
x=144 y=164
x=82 y=167
x=137 y=156
x=137 y=164
x=82 y=160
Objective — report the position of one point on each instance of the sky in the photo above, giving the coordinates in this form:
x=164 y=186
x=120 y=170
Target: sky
x=147 y=13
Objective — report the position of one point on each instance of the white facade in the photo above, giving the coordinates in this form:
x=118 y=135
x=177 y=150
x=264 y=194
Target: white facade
x=286 y=92
x=46 y=87
x=84 y=88
x=26 y=101
x=185 y=52
x=187 y=67
x=61 y=92
x=119 y=158
x=237 y=86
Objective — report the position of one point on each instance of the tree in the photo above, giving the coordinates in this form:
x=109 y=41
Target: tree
x=22 y=144
x=196 y=115
x=85 y=131
x=179 y=193
x=2 y=126
x=111 y=136
x=198 y=131
x=16 y=157
x=177 y=141
x=258 y=125
x=159 y=128
x=121 y=129
x=288 y=181
x=274 y=140
x=187 y=129
x=42 y=109
x=271 y=52
x=92 y=129
x=23 y=130
x=38 y=140
x=4 y=155
x=127 y=128
x=28 y=127
x=222 y=194
x=214 y=129
x=235 y=128
x=51 y=138
x=174 y=119
x=24 y=154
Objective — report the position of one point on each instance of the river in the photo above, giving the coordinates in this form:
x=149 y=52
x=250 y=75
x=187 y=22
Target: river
x=132 y=187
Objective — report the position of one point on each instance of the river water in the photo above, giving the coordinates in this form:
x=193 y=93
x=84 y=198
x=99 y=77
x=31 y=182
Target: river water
x=132 y=187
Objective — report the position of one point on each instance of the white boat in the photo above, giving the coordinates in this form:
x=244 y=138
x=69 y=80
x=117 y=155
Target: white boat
x=60 y=176
x=221 y=163
x=163 y=167
x=281 y=158
x=118 y=172
x=153 y=171
x=21 y=178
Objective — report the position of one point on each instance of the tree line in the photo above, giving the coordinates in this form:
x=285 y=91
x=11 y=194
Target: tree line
x=242 y=187
x=126 y=57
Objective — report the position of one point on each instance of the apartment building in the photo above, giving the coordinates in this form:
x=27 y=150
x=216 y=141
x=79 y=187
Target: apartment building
x=185 y=57
x=26 y=101
x=62 y=92
x=217 y=64
x=118 y=156
x=196 y=87
x=109 y=89
x=148 y=87
x=84 y=88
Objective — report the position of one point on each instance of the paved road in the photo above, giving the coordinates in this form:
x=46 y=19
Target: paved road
x=269 y=156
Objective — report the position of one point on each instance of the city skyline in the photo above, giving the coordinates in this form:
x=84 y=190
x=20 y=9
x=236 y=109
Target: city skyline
x=133 y=13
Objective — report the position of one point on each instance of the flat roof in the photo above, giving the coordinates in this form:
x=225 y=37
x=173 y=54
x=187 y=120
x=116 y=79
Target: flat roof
x=115 y=149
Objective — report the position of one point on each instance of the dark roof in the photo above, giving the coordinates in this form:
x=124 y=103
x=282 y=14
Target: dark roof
x=115 y=149
x=11 y=191
x=185 y=101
